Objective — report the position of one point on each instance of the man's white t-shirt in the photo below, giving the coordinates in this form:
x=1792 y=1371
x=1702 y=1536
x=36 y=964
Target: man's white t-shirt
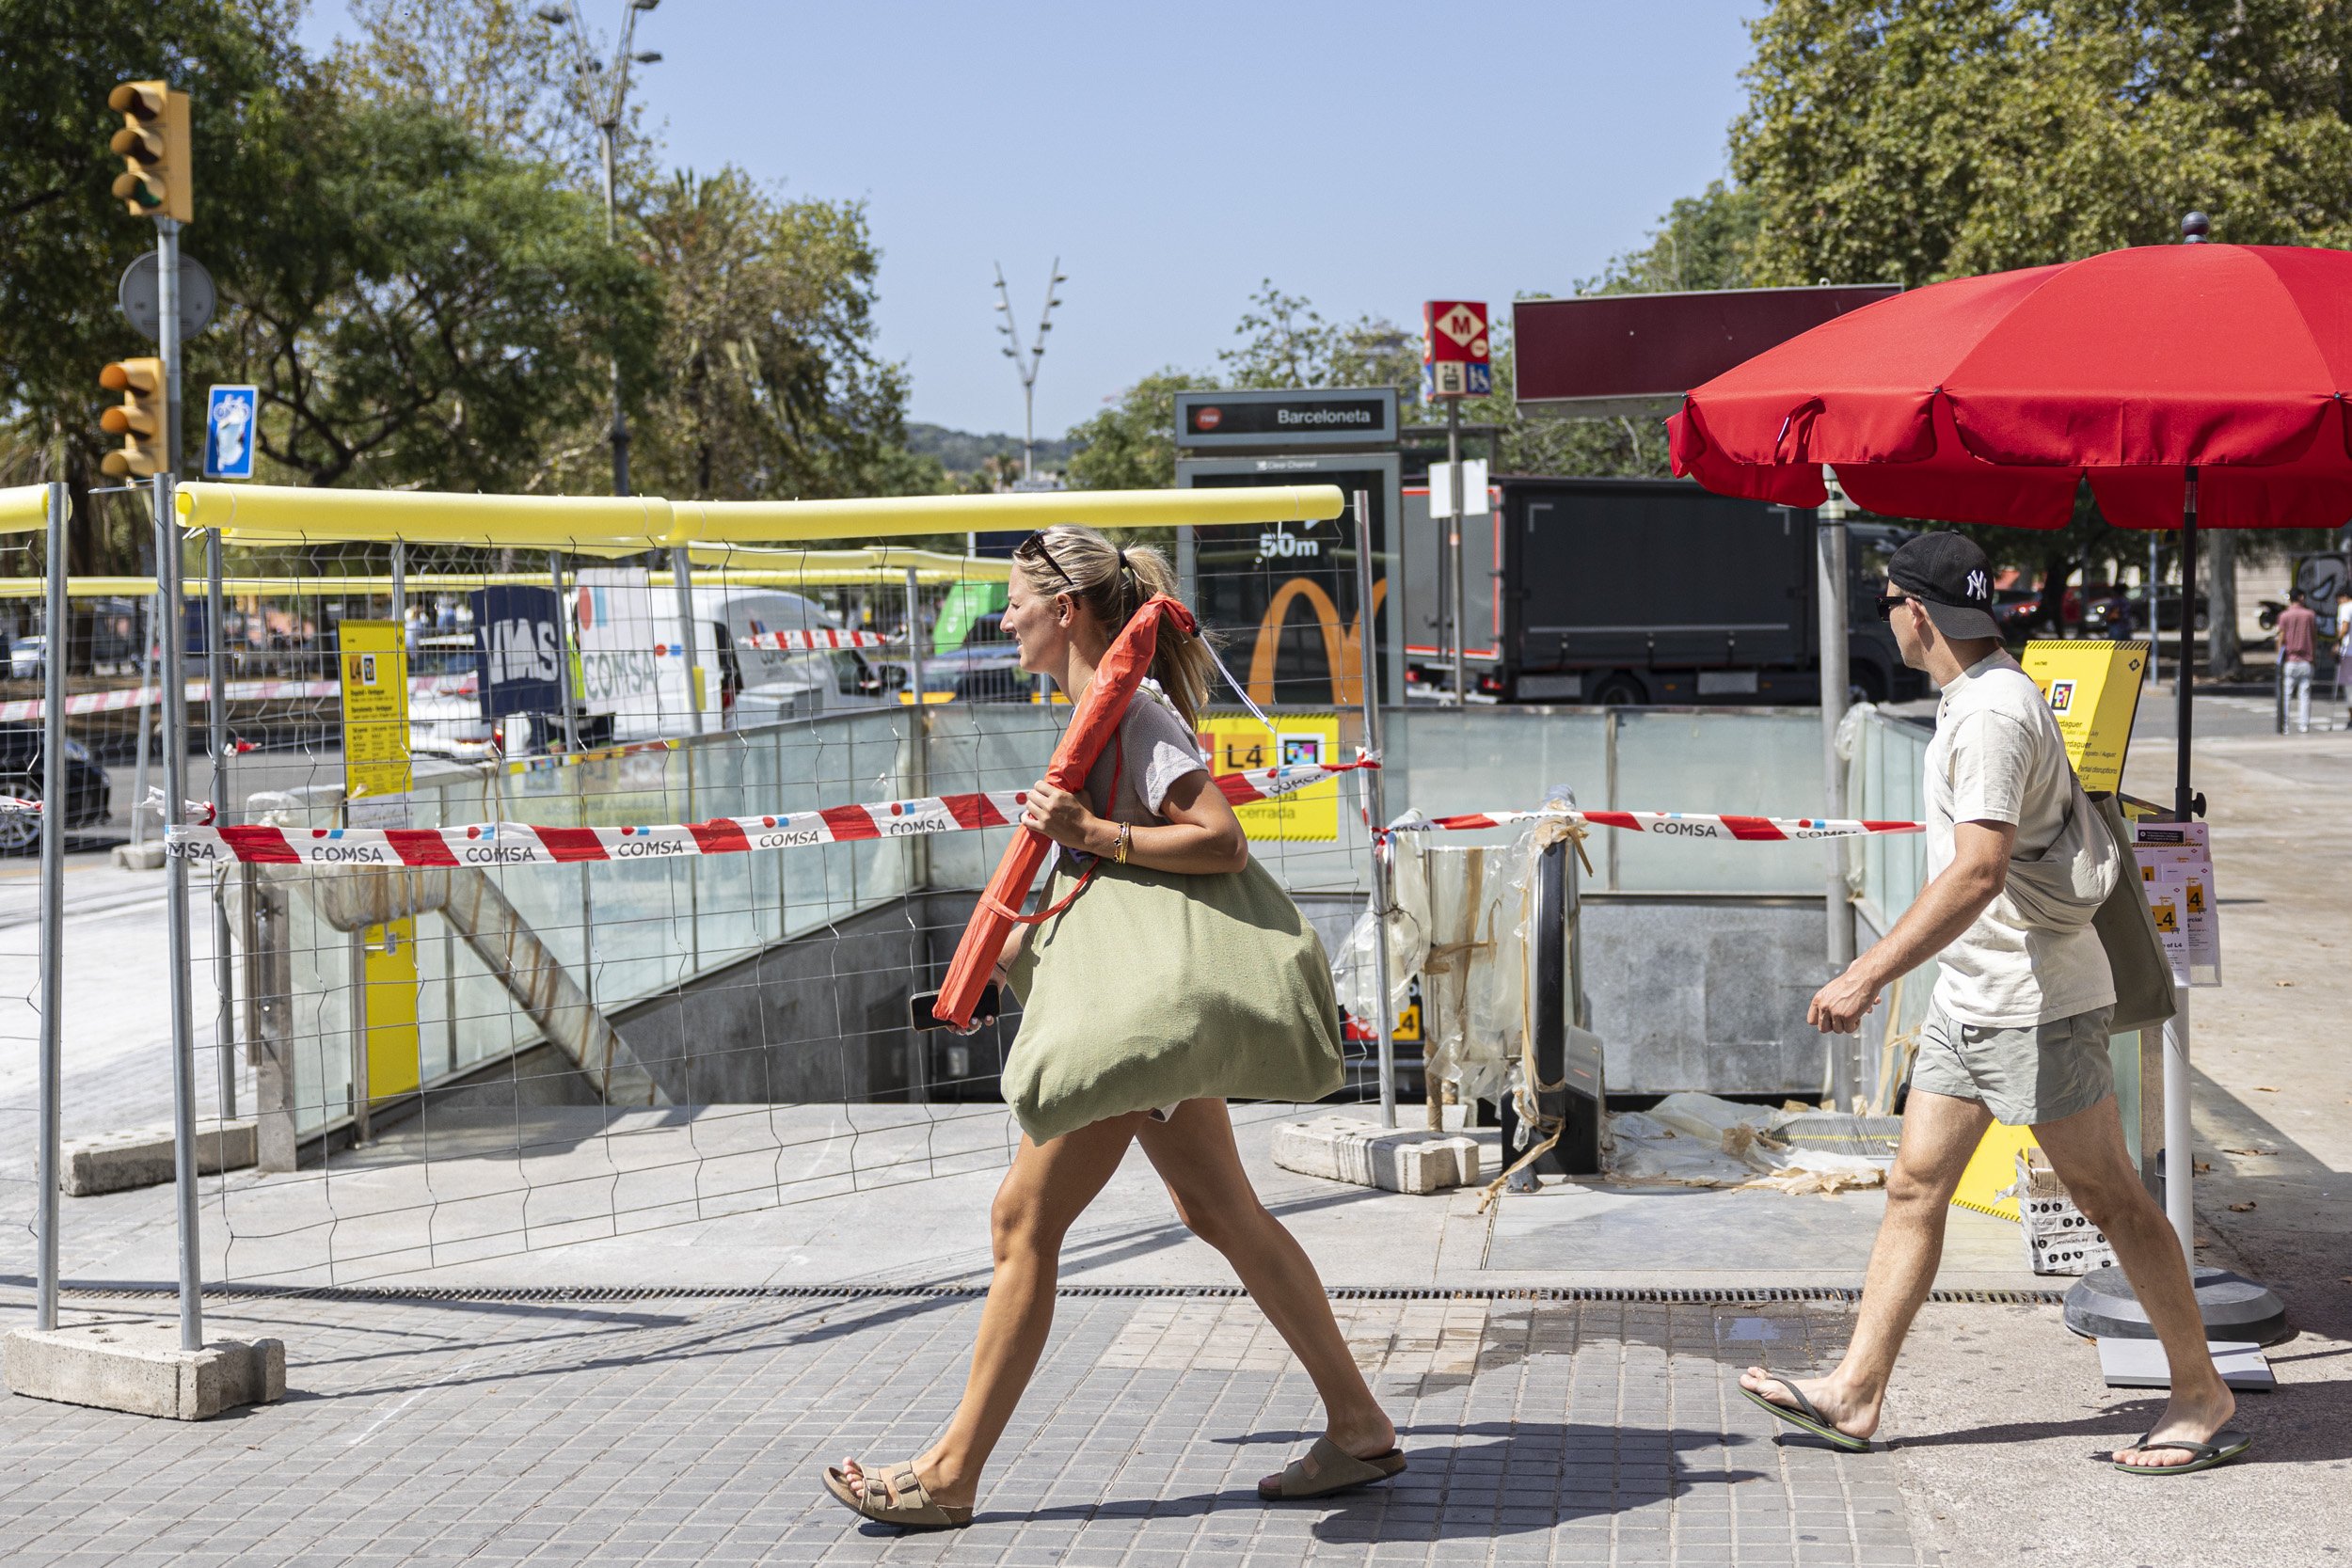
x=1998 y=757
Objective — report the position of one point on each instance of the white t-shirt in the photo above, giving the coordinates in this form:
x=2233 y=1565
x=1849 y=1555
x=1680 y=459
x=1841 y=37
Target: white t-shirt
x=1153 y=748
x=1998 y=757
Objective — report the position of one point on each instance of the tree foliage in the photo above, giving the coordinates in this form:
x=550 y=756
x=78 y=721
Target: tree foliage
x=410 y=248
x=767 y=384
x=1915 y=140
x=1911 y=140
x=435 y=315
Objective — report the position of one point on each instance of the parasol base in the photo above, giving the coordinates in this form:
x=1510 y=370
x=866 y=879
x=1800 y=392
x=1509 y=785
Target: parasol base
x=2101 y=1307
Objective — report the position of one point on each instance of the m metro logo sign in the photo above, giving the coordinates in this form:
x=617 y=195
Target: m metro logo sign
x=1454 y=354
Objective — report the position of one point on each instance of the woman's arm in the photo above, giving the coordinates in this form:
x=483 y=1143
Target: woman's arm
x=1202 y=835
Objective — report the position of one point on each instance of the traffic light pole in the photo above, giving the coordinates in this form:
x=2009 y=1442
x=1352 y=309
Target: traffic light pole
x=167 y=337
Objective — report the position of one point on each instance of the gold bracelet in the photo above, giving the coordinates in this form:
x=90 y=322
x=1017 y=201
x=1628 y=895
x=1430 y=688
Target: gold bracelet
x=1126 y=831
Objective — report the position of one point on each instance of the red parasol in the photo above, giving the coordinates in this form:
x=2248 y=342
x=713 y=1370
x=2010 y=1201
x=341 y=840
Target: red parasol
x=2191 y=384
x=1093 y=723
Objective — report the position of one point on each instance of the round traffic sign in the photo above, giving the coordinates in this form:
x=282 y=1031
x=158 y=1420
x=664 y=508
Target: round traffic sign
x=136 y=296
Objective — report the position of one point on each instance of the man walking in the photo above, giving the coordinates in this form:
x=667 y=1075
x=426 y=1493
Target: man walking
x=2298 y=645
x=2017 y=1029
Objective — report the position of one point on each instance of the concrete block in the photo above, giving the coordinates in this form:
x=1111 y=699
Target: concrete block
x=139 y=1369
x=139 y=857
x=141 y=1157
x=1399 y=1160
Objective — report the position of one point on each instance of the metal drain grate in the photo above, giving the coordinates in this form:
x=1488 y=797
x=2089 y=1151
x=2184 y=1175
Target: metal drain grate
x=1693 y=1295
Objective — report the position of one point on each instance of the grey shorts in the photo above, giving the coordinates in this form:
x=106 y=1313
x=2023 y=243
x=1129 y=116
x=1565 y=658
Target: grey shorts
x=2042 y=1072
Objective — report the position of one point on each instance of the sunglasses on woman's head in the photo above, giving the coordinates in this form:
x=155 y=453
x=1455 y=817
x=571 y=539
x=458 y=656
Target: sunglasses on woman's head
x=1033 y=548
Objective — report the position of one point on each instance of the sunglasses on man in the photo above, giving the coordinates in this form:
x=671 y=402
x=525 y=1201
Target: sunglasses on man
x=1887 y=603
x=1033 y=548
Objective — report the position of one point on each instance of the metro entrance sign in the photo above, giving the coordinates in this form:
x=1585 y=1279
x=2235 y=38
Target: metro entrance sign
x=1454 y=362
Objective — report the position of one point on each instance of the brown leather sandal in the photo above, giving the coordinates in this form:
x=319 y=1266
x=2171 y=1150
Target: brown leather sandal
x=1334 y=1469
x=895 y=1497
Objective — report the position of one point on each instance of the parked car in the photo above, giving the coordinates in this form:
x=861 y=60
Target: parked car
x=88 y=798
x=2101 y=617
x=28 y=658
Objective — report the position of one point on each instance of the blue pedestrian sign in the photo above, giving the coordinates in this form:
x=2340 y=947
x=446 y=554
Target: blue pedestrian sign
x=232 y=415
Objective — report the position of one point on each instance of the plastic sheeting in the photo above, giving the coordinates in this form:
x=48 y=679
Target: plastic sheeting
x=1700 y=1140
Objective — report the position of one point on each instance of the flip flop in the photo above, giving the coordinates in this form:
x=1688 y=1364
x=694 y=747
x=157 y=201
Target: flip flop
x=895 y=1497
x=1336 y=1470
x=1805 y=1416
x=2226 y=1447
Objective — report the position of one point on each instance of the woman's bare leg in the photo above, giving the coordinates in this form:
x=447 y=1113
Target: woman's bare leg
x=1046 y=1190
x=1195 y=1154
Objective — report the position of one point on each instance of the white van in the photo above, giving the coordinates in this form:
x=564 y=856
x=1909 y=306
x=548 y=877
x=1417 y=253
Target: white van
x=633 y=671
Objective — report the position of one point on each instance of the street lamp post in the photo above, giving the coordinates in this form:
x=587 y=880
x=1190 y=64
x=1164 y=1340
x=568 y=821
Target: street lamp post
x=1025 y=362
x=608 y=122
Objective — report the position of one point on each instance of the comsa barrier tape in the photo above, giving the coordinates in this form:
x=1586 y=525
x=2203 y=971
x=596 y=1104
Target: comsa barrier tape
x=517 y=843
x=816 y=636
x=235 y=691
x=1670 y=824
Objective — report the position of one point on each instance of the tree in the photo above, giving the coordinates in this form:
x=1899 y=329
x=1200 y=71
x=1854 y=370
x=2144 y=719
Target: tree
x=417 y=307
x=768 y=382
x=499 y=68
x=64 y=241
x=1286 y=342
x=1915 y=140
x=431 y=314
x=1132 y=444
x=1704 y=242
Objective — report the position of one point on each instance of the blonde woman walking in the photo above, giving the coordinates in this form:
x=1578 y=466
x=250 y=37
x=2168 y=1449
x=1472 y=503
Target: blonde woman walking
x=1180 y=975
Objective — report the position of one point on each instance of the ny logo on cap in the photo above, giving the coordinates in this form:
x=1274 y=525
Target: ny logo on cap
x=1976 y=585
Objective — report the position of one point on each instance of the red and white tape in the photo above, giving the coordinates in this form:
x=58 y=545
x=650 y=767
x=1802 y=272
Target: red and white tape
x=10 y=804
x=1671 y=824
x=519 y=844
x=817 y=637
x=235 y=691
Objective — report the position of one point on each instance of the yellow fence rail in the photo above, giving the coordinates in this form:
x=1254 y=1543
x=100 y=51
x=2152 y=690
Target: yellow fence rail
x=260 y=514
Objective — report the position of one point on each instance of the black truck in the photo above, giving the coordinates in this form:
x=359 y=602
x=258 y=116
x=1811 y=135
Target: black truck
x=1623 y=592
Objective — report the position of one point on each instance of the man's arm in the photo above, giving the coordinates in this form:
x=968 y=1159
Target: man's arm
x=1946 y=906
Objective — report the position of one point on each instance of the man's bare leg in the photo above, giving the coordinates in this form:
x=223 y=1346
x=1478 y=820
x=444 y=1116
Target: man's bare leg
x=1940 y=1135
x=2088 y=1151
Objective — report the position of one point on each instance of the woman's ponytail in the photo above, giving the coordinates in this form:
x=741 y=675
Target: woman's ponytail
x=1115 y=583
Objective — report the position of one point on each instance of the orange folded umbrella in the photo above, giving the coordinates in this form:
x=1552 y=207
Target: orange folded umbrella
x=1091 y=726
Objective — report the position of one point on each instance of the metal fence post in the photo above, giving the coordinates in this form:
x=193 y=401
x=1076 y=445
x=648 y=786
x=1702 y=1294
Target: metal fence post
x=919 y=733
x=563 y=652
x=217 y=713
x=147 y=720
x=1377 y=802
x=682 y=579
x=48 y=1155
x=175 y=728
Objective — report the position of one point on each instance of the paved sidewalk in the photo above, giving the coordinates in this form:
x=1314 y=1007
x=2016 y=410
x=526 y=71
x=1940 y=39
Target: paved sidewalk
x=693 y=1432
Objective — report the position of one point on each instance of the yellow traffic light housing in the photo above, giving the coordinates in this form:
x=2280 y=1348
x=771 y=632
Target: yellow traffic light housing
x=153 y=145
x=142 y=418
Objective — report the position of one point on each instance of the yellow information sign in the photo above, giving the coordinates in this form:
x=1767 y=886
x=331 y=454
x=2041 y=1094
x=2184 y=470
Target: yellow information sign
x=2094 y=691
x=375 y=722
x=1237 y=743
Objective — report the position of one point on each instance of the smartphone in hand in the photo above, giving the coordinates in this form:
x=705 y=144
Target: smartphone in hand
x=919 y=1007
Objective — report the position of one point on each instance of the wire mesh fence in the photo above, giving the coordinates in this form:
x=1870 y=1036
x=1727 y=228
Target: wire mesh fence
x=589 y=1010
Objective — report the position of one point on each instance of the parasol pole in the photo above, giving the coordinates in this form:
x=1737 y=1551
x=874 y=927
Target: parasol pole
x=2180 y=1159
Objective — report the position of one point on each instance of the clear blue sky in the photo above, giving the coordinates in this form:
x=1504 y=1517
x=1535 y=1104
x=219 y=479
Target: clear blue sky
x=1366 y=156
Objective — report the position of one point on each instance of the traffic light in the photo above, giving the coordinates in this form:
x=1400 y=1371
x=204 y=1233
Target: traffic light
x=141 y=418
x=153 y=143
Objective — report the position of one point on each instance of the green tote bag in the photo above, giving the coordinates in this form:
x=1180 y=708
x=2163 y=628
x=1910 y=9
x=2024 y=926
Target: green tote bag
x=1154 y=987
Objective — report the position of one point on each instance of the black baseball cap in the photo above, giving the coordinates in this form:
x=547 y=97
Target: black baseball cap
x=1949 y=576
